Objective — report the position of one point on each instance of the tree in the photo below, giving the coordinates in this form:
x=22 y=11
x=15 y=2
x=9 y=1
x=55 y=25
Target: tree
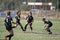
x=59 y=4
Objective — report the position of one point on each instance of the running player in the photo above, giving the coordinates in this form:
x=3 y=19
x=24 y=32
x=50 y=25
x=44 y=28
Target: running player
x=29 y=21
x=8 y=24
x=49 y=24
x=18 y=19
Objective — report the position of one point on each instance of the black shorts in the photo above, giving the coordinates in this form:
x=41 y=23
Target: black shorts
x=17 y=22
x=29 y=21
x=8 y=27
x=50 y=25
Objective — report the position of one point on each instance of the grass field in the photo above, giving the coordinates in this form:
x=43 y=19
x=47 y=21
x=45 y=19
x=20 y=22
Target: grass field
x=37 y=34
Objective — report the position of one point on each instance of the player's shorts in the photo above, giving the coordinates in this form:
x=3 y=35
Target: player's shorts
x=8 y=27
x=29 y=21
x=50 y=25
x=17 y=22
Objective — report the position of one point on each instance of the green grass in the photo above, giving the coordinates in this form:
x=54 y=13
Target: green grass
x=37 y=34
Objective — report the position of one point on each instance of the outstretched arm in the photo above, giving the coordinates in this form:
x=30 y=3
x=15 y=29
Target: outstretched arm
x=45 y=26
x=12 y=21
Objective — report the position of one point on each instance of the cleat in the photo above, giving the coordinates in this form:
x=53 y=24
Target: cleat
x=50 y=33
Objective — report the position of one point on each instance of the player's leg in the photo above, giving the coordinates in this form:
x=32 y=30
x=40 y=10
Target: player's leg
x=6 y=29
x=10 y=35
x=48 y=29
x=21 y=26
x=26 y=26
x=31 y=26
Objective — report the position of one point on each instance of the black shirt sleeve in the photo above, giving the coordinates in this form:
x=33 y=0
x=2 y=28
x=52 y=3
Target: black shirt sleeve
x=11 y=19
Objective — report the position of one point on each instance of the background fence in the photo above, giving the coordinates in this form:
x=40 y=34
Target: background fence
x=3 y=14
x=36 y=13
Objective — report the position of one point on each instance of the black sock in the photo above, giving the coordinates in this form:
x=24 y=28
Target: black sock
x=22 y=28
x=31 y=28
x=49 y=30
x=9 y=36
x=25 y=27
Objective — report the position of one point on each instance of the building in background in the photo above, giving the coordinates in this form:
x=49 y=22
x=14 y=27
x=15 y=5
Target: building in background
x=42 y=4
x=24 y=4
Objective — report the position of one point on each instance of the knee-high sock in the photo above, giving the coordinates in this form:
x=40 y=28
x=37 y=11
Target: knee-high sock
x=31 y=28
x=10 y=36
x=25 y=27
x=48 y=30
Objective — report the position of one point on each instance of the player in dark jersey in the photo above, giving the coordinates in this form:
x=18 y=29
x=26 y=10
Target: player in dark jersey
x=18 y=20
x=29 y=21
x=49 y=24
x=8 y=24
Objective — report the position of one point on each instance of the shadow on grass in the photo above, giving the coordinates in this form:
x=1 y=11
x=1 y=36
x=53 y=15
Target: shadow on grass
x=35 y=32
x=43 y=33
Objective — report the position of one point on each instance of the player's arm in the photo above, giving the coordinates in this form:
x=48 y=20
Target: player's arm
x=16 y=16
x=26 y=17
x=12 y=21
x=45 y=26
x=32 y=19
x=19 y=18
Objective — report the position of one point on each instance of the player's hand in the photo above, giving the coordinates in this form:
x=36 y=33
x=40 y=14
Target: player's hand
x=13 y=22
x=44 y=27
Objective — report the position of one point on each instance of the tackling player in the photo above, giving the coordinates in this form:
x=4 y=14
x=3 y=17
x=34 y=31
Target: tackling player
x=48 y=26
